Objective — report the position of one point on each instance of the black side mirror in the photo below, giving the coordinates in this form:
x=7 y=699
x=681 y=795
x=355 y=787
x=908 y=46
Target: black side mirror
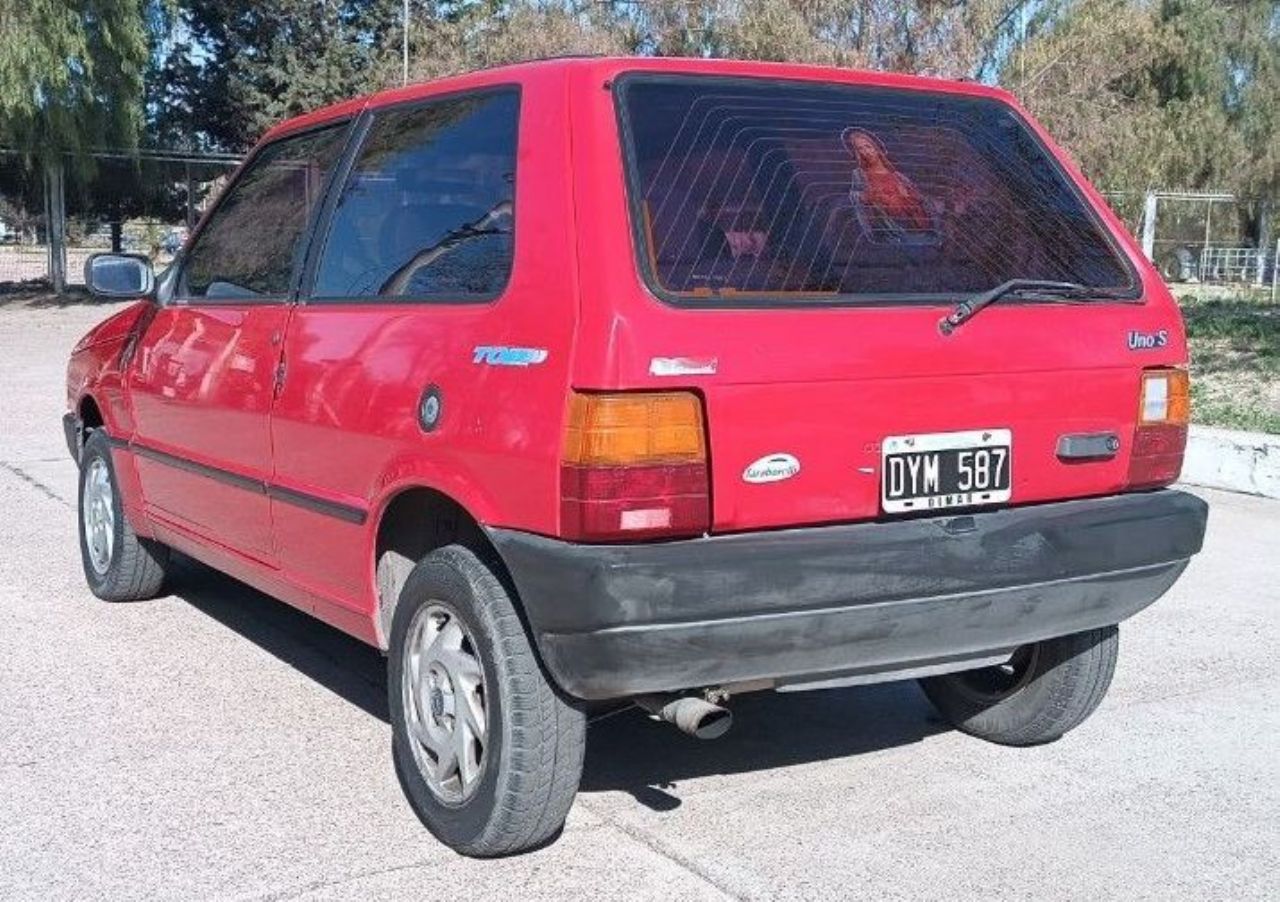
x=117 y=276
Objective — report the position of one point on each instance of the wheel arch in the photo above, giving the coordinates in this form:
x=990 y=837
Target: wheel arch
x=411 y=523
x=90 y=413
x=86 y=418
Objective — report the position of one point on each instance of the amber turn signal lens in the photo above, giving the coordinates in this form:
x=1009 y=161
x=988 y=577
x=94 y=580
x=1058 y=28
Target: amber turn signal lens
x=1166 y=397
x=629 y=429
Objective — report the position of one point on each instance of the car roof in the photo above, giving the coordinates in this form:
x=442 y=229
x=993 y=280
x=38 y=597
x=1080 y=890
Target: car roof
x=610 y=66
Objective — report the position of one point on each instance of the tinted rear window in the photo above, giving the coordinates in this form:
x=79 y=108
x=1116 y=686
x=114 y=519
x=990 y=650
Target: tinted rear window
x=757 y=190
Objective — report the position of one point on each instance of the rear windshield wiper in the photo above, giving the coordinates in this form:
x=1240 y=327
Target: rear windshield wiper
x=971 y=306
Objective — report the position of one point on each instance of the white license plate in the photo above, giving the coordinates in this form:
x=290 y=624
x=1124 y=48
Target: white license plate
x=941 y=470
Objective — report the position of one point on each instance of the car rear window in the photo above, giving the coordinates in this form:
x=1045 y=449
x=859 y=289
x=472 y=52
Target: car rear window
x=748 y=191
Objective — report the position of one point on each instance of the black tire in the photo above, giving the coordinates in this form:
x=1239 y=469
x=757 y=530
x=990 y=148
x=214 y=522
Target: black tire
x=1049 y=688
x=535 y=738
x=135 y=567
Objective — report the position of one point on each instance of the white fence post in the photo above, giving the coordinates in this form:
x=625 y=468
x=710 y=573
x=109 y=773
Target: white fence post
x=1275 y=271
x=1149 y=226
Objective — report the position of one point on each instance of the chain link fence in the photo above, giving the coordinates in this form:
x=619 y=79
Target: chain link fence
x=53 y=217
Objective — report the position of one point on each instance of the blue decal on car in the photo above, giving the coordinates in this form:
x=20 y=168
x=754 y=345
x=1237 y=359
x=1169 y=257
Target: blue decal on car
x=499 y=355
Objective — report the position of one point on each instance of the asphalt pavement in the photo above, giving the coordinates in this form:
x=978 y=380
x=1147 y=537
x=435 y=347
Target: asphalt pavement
x=218 y=744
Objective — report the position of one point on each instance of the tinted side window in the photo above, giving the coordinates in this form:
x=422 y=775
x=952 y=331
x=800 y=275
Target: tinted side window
x=427 y=211
x=250 y=246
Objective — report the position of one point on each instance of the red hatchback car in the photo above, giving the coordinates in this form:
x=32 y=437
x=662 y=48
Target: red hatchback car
x=599 y=381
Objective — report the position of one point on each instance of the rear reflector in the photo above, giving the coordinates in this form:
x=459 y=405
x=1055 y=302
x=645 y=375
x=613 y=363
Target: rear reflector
x=1166 y=397
x=1160 y=436
x=634 y=466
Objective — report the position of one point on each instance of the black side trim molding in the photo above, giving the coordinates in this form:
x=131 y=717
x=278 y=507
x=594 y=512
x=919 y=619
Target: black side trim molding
x=344 y=512
x=217 y=475
x=318 y=505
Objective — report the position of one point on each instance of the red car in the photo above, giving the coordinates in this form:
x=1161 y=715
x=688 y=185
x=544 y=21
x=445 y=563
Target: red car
x=591 y=382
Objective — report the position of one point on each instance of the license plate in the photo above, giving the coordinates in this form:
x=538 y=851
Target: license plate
x=941 y=470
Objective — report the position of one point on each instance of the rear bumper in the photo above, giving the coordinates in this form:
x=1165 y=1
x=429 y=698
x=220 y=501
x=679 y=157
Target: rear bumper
x=860 y=599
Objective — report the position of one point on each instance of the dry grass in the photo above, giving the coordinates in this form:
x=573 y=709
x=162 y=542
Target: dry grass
x=1235 y=364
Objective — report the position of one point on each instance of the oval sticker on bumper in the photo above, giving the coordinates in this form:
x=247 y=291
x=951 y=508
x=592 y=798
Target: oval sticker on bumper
x=772 y=468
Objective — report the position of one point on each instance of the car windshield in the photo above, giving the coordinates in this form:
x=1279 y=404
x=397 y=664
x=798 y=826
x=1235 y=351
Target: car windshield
x=754 y=191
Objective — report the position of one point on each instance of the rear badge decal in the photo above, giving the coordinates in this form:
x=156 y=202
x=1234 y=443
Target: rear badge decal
x=498 y=355
x=1148 y=341
x=772 y=468
x=683 y=366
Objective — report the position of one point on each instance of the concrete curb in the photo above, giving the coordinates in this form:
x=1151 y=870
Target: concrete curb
x=1237 y=461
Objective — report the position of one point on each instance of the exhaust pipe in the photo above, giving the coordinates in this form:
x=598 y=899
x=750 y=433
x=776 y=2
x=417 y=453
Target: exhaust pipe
x=689 y=714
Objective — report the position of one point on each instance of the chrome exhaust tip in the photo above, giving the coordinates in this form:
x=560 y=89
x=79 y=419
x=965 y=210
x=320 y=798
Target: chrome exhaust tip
x=689 y=714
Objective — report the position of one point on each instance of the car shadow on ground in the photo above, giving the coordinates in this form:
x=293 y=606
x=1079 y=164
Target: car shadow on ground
x=626 y=751
x=633 y=753
x=345 y=666
x=38 y=296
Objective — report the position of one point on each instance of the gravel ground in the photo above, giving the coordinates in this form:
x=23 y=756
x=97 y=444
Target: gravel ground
x=217 y=744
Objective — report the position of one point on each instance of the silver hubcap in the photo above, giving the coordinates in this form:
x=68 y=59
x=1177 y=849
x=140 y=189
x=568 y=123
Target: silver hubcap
x=98 y=512
x=442 y=685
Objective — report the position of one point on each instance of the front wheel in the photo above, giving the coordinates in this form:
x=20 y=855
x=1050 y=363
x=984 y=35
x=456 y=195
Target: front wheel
x=1044 y=690
x=118 y=564
x=488 y=752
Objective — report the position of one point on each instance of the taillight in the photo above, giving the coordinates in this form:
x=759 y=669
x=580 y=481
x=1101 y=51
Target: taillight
x=1160 y=437
x=634 y=466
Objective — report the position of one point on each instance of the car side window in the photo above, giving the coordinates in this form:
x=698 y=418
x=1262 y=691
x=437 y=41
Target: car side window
x=251 y=245
x=427 y=212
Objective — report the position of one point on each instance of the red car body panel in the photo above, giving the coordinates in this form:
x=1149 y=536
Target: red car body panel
x=823 y=384
x=201 y=389
x=840 y=379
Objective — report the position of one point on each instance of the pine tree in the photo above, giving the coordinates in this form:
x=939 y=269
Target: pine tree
x=230 y=69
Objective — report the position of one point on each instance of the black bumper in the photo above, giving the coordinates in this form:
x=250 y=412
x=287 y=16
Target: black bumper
x=71 y=431
x=865 y=598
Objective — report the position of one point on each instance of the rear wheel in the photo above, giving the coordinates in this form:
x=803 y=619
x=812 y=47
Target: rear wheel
x=488 y=752
x=118 y=565
x=1044 y=690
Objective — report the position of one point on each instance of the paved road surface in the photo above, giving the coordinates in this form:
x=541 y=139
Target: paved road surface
x=217 y=744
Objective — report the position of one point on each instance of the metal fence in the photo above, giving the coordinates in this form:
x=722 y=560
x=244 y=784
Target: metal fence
x=53 y=217
x=1198 y=241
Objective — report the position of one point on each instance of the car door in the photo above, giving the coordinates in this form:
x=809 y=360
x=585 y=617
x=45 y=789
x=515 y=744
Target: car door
x=205 y=370
x=419 y=246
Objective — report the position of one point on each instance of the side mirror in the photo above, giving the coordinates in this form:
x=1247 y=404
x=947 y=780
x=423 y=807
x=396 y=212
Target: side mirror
x=119 y=276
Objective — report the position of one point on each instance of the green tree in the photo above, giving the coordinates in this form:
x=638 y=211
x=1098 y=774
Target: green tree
x=71 y=75
x=1161 y=93
x=450 y=36
x=228 y=70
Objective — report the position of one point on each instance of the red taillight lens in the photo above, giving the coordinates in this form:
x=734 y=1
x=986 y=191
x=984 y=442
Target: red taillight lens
x=634 y=466
x=1160 y=436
